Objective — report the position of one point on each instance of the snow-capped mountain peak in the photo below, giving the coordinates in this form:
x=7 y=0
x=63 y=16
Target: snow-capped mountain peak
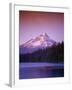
x=40 y=42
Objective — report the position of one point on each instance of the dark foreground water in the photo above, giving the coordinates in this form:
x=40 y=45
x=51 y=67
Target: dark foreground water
x=40 y=70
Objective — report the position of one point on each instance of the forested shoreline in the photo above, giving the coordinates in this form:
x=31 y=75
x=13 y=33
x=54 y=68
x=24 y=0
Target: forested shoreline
x=54 y=54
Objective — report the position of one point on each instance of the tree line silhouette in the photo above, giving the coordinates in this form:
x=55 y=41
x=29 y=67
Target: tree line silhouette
x=54 y=54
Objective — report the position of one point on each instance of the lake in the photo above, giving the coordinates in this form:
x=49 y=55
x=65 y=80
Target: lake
x=40 y=70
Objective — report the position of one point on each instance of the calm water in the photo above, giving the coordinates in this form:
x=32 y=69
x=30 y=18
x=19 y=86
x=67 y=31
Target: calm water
x=40 y=70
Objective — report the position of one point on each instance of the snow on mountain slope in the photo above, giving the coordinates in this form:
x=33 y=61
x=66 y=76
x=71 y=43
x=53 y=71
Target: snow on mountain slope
x=40 y=42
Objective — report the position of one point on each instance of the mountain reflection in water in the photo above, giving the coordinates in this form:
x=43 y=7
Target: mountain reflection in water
x=40 y=70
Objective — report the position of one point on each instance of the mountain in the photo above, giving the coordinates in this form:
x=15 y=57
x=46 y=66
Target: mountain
x=40 y=42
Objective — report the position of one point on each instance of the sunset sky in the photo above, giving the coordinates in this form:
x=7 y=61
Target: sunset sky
x=33 y=23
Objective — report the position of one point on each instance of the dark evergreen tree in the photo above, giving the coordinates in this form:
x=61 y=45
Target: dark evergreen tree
x=54 y=54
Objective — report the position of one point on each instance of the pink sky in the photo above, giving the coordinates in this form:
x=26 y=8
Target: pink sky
x=32 y=24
